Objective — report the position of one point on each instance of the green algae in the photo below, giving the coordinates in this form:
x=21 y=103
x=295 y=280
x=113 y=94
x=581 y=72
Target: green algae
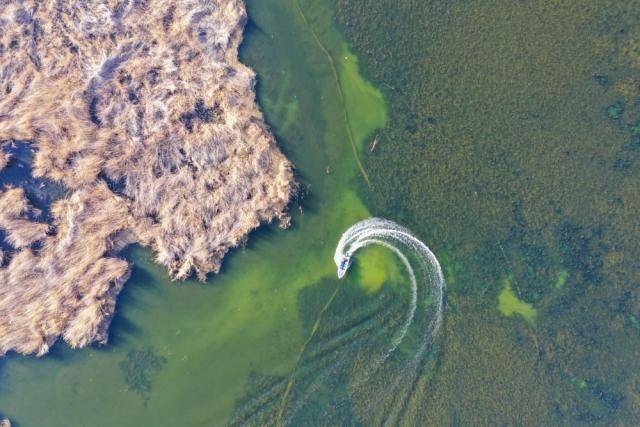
x=368 y=110
x=509 y=304
x=561 y=280
x=212 y=337
x=363 y=106
x=580 y=383
x=374 y=267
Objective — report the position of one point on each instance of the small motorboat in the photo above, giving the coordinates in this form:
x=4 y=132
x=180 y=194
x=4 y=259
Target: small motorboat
x=344 y=266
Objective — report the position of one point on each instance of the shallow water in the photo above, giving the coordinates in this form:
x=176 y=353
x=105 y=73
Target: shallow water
x=185 y=353
x=41 y=192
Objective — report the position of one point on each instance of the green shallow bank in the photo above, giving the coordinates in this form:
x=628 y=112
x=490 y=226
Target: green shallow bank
x=182 y=353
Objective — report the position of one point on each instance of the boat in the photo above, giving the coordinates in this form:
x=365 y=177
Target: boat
x=374 y=144
x=344 y=266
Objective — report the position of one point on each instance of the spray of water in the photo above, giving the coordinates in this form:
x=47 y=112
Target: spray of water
x=330 y=359
x=423 y=316
x=423 y=267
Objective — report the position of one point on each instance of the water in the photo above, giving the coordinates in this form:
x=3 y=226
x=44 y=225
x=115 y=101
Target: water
x=403 y=243
x=512 y=149
x=508 y=141
x=186 y=353
x=42 y=192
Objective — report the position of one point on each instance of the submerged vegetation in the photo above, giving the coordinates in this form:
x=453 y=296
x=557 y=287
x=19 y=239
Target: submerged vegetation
x=143 y=111
x=512 y=149
x=139 y=367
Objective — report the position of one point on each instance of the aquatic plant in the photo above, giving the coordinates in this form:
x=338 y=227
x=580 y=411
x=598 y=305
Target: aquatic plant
x=615 y=110
x=68 y=285
x=5 y=158
x=15 y=217
x=139 y=368
x=515 y=176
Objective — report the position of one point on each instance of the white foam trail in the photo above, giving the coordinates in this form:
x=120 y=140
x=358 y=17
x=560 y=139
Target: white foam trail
x=402 y=242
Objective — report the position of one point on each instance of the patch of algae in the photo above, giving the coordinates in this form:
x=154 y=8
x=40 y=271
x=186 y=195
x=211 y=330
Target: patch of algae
x=363 y=106
x=365 y=103
x=509 y=304
x=561 y=281
x=374 y=268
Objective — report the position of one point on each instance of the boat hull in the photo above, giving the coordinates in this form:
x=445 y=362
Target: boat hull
x=344 y=266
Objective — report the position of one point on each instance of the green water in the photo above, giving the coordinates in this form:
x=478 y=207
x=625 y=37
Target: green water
x=182 y=353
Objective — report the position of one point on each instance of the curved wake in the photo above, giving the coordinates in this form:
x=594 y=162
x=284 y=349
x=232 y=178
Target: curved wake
x=401 y=241
x=336 y=360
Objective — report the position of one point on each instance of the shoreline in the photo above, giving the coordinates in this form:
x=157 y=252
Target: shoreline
x=150 y=153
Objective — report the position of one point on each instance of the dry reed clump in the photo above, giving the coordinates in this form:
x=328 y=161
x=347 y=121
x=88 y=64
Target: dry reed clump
x=144 y=112
x=5 y=158
x=68 y=286
x=15 y=212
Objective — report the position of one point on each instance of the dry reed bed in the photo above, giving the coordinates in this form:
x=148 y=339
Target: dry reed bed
x=5 y=158
x=143 y=111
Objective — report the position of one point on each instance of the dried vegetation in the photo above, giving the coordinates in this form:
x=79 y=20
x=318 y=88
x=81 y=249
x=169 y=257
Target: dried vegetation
x=5 y=158
x=143 y=111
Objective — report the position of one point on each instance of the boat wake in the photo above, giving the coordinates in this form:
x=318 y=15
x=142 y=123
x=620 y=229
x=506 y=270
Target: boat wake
x=372 y=357
x=425 y=267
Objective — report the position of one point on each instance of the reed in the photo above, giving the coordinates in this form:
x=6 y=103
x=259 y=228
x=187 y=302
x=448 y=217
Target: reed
x=144 y=112
x=5 y=158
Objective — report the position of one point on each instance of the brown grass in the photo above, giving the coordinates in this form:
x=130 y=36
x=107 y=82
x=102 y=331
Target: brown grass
x=151 y=98
x=14 y=213
x=5 y=158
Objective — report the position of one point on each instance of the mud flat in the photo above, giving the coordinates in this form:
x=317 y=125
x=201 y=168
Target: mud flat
x=144 y=113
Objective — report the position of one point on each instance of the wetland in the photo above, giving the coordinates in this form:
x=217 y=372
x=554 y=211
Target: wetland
x=506 y=140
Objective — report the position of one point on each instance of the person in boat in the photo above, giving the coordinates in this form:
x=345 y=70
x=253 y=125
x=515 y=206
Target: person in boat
x=344 y=266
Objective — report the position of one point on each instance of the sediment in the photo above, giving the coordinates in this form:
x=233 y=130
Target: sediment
x=145 y=114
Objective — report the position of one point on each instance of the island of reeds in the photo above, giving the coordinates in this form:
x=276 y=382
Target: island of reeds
x=142 y=112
